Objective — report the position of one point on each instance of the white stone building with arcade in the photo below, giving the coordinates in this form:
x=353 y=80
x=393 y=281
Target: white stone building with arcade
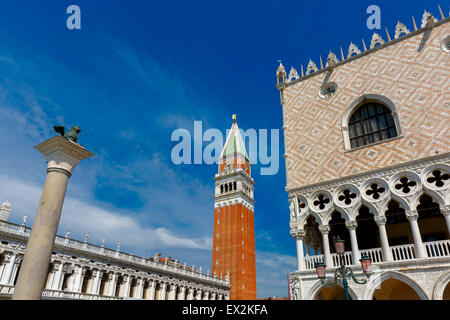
x=368 y=160
x=85 y=271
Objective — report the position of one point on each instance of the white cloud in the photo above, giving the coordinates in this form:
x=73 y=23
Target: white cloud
x=271 y=273
x=84 y=217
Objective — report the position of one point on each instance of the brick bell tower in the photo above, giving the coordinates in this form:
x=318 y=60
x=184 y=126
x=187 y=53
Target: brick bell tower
x=234 y=231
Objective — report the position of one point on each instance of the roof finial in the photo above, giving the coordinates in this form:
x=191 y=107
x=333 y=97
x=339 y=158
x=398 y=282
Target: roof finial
x=440 y=11
x=234 y=117
x=414 y=24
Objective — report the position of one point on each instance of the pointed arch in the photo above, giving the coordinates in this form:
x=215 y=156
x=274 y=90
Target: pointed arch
x=376 y=280
x=306 y=215
x=403 y=203
x=431 y=193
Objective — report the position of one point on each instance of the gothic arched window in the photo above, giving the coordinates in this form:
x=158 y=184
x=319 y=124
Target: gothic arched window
x=370 y=123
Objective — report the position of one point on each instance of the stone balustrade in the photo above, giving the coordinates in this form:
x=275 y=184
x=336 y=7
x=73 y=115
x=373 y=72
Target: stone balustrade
x=81 y=270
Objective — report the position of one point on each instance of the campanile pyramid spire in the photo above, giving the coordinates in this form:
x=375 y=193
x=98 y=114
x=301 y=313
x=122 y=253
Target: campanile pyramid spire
x=234 y=232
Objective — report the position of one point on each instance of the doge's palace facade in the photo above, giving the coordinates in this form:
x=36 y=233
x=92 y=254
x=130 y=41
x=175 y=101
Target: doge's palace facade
x=81 y=270
x=368 y=160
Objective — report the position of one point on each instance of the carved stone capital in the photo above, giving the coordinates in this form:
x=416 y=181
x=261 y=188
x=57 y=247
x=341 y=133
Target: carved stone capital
x=380 y=220
x=412 y=215
x=325 y=229
x=351 y=225
x=445 y=210
x=298 y=234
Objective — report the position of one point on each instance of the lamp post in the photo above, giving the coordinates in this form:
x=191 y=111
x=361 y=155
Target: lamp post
x=343 y=273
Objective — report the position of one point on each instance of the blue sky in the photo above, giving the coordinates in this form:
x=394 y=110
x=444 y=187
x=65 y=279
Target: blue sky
x=136 y=71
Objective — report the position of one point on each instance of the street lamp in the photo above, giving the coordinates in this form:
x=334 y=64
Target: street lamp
x=343 y=272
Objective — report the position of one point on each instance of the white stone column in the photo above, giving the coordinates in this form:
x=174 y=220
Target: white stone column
x=58 y=276
x=97 y=274
x=190 y=292
x=172 y=291
x=62 y=157
x=50 y=279
x=385 y=249
x=298 y=235
x=419 y=248
x=446 y=212
x=182 y=295
x=325 y=230
x=139 y=288
x=112 y=284
x=126 y=287
x=79 y=278
x=152 y=290
x=351 y=226
x=17 y=265
x=10 y=260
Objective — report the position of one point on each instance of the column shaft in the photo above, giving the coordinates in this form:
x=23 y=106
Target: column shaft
x=35 y=264
x=385 y=249
x=355 y=249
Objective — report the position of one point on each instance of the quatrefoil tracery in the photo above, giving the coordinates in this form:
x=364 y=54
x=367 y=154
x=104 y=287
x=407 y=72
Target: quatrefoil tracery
x=375 y=190
x=347 y=196
x=321 y=201
x=405 y=185
x=438 y=178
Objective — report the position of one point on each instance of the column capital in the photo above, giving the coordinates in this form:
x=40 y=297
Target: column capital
x=351 y=225
x=62 y=155
x=324 y=229
x=445 y=210
x=298 y=234
x=380 y=220
x=412 y=215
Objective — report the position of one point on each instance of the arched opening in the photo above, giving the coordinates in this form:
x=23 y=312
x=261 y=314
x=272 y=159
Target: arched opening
x=338 y=229
x=313 y=238
x=67 y=278
x=431 y=222
x=133 y=288
x=103 y=284
x=334 y=293
x=394 y=289
x=87 y=277
x=370 y=123
x=177 y=293
x=446 y=295
x=145 y=290
x=166 y=294
x=157 y=291
x=397 y=225
x=367 y=230
x=221 y=188
x=118 y=286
